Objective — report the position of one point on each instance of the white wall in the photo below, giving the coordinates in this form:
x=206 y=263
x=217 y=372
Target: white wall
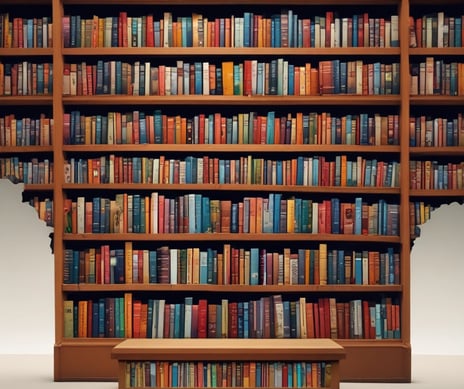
x=437 y=284
x=26 y=280
x=26 y=277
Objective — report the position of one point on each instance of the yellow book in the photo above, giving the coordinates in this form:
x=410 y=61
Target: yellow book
x=128 y=261
x=323 y=264
x=68 y=319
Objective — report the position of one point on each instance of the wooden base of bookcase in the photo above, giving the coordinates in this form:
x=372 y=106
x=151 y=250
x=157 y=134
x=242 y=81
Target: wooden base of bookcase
x=369 y=362
x=366 y=361
x=90 y=361
x=229 y=350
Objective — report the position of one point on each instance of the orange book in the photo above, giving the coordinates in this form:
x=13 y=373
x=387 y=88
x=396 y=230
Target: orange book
x=128 y=314
x=314 y=87
x=228 y=78
x=128 y=254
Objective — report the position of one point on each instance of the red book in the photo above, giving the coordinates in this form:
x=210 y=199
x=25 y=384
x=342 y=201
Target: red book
x=247 y=89
x=202 y=318
x=310 y=325
x=212 y=320
x=233 y=320
x=150 y=40
x=317 y=323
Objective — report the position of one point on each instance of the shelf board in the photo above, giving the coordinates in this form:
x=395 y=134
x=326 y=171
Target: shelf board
x=443 y=193
x=229 y=51
x=440 y=51
x=445 y=151
x=22 y=52
x=25 y=149
x=26 y=100
x=235 y=187
x=285 y=289
x=228 y=2
x=233 y=148
x=203 y=100
x=437 y=100
x=220 y=237
x=38 y=187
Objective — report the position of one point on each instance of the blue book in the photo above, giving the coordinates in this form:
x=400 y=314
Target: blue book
x=198 y=212
x=377 y=78
x=354 y=36
x=198 y=76
x=254 y=266
x=234 y=218
x=358 y=216
x=364 y=129
x=291 y=80
x=276 y=211
x=335 y=207
x=247 y=33
x=136 y=214
x=246 y=325
x=203 y=267
x=143 y=138
x=341 y=267
x=279 y=172
x=101 y=317
x=152 y=267
x=457 y=32
x=270 y=127
x=205 y=215
x=358 y=273
x=336 y=75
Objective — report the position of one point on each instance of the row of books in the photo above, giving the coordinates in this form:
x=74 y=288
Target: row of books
x=419 y=213
x=232 y=266
x=340 y=170
x=267 y=317
x=25 y=33
x=436 y=30
x=242 y=128
x=26 y=131
x=426 y=131
x=434 y=175
x=248 y=78
x=435 y=77
x=28 y=172
x=196 y=213
x=44 y=208
x=230 y=374
x=26 y=79
x=286 y=29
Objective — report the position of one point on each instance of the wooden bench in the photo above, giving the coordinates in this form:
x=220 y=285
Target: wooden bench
x=142 y=361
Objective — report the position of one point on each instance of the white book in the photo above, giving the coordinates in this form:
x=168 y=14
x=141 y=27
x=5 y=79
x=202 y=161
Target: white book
x=80 y=215
x=154 y=213
x=173 y=267
x=160 y=326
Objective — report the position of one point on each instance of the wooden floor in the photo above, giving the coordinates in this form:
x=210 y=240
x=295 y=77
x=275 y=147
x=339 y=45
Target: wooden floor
x=36 y=372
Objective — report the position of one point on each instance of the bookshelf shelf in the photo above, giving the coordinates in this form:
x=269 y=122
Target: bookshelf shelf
x=235 y=187
x=26 y=149
x=223 y=51
x=26 y=100
x=236 y=148
x=40 y=52
x=220 y=237
x=233 y=288
x=355 y=100
x=437 y=193
x=88 y=358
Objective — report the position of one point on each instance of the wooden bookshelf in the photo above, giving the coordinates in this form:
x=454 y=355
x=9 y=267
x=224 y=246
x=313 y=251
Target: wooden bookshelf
x=369 y=360
x=229 y=350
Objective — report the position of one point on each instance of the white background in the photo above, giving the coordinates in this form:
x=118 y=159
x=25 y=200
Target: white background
x=27 y=286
